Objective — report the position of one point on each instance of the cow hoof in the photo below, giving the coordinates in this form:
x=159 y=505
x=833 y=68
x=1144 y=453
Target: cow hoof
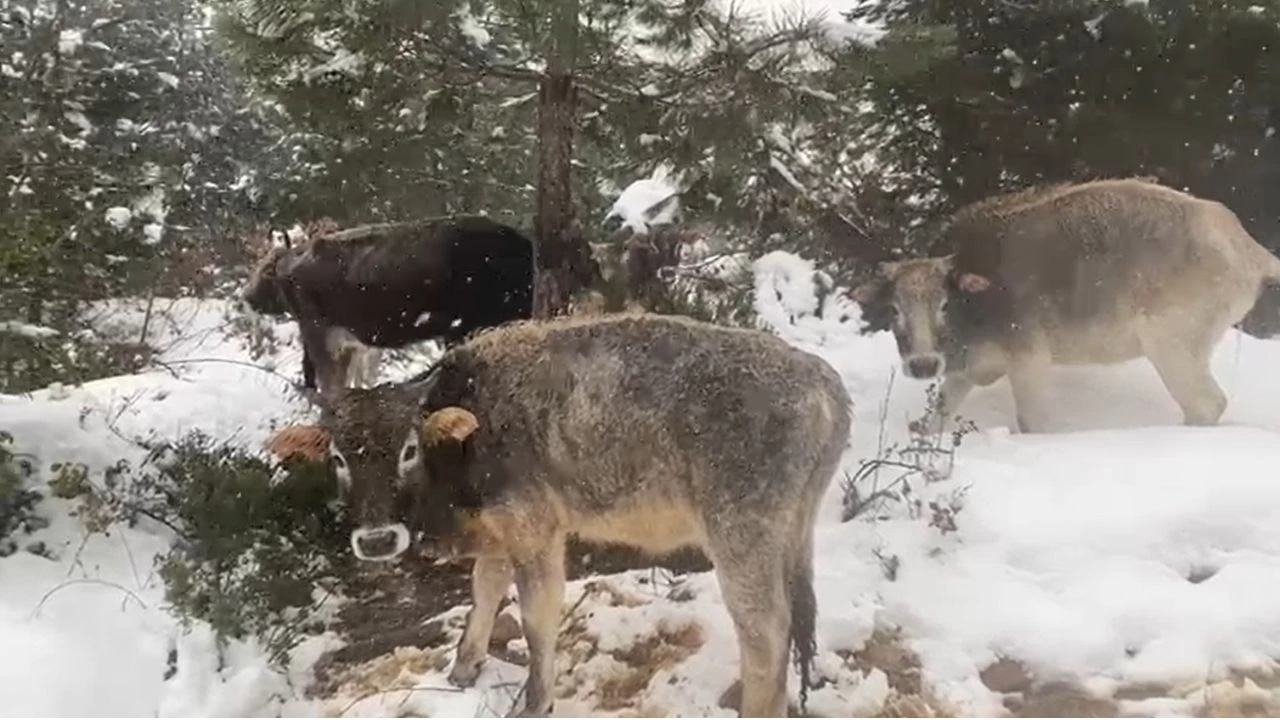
x=464 y=675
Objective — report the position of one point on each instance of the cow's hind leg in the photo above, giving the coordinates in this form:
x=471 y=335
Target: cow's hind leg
x=751 y=570
x=490 y=579
x=1184 y=367
x=540 y=580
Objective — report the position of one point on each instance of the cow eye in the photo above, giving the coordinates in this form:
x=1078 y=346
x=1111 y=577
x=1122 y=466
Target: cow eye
x=410 y=456
x=340 y=467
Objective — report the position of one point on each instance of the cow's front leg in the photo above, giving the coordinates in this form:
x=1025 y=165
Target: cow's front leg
x=1027 y=375
x=315 y=344
x=308 y=370
x=540 y=582
x=490 y=579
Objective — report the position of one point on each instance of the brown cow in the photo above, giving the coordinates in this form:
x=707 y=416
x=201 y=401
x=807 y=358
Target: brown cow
x=658 y=432
x=1090 y=273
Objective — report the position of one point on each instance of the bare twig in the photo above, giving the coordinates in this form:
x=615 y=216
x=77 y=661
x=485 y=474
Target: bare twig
x=86 y=581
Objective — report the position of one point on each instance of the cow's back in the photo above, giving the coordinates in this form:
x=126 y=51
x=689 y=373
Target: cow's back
x=385 y=280
x=1100 y=253
x=642 y=409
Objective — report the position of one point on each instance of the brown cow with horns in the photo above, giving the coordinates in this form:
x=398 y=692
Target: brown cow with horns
x=719 y=438
x=1076 y=273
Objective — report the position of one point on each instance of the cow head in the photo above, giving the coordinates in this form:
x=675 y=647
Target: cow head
x=400 y=473
x=265 y=291
x=915 y=299
x=374 y=455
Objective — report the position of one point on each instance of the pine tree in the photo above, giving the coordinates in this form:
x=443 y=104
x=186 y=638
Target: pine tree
x=1072 y=89
x=114 y=122
x=512 y=108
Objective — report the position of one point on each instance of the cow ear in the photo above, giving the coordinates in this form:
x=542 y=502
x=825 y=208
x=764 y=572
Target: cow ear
x=451 y=424
x=307 y=441
x=972 y=282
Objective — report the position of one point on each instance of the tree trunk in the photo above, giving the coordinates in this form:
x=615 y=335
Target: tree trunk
x=564 y=260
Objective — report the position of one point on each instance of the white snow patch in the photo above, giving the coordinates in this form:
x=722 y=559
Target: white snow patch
x=77 y=118
x=118 y=217
x=343 y=62
x=471 y=27
x=636 y=202
x=69 y=41
x=14 y=327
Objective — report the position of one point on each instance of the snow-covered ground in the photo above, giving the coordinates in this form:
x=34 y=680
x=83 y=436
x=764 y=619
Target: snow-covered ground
x=1120 y=550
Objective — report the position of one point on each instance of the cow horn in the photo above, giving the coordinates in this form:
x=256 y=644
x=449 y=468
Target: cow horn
x=308 y=441
x=451 y=423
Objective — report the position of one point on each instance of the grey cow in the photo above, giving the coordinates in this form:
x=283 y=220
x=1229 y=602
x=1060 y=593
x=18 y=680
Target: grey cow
x=1088 y=273
x=653 y=431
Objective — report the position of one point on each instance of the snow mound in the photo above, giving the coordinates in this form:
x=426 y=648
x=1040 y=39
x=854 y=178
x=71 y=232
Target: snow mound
x=636 y=203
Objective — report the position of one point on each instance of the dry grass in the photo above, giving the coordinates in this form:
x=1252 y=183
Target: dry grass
x=638 y=664
x=887 y=652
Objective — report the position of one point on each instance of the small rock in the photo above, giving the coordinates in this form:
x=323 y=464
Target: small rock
x=8 y=547
x=1006 y=676
x=37 y=548
x=505 y=629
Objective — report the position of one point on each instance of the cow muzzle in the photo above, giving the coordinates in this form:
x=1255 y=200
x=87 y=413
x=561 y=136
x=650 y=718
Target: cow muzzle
x=386 y=542
x=924 y=366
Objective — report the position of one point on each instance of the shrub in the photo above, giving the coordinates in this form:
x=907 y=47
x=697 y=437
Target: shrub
x=17 y=501
x=33 y=361
x=254 y=542
x=928 y=457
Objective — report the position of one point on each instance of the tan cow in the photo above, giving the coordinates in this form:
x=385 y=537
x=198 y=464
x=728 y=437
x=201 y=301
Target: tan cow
x=1091 y=273
x=658 y=432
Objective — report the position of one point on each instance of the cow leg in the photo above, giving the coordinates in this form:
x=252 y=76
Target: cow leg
x=490 y=579
x=1184 y=368
x=1028 y=373
x=752 y=577
x=308 y=370
x=540 y=582
x=315 y=345
x=372 y=359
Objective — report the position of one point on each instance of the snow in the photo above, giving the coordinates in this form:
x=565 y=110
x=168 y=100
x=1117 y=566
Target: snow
x=14 y=327
x=69 y=41
x=118 y=217
x=635 y=203
x=343 y=62
x=1120 y=548
x=471 y=27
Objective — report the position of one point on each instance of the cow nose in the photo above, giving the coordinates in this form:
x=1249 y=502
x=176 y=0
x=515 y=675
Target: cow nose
x=379 y=543
x=923 y=368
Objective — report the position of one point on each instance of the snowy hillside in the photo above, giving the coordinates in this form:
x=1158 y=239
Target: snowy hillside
x=1117 y=565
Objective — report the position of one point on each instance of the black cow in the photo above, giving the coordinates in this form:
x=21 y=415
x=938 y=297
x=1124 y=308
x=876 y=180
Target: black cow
x=392 y=284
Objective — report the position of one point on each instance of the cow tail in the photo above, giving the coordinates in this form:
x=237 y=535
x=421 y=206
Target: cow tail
x=804 y=615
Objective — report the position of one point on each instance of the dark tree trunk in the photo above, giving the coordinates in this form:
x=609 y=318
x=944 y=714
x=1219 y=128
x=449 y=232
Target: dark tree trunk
x=564 y=260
